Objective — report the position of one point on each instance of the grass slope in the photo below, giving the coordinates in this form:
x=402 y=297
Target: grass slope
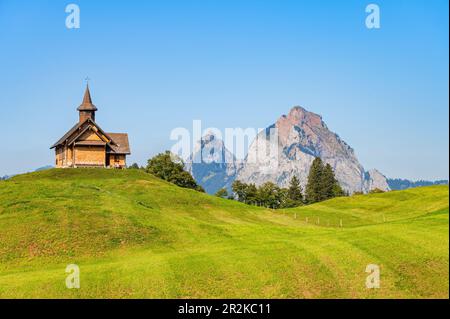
x=135 y=236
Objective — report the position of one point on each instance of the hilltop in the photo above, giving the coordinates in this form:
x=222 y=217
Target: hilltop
x=136 y=236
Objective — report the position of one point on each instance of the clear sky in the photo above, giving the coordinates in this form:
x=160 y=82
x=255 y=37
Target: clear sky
x=157 y=65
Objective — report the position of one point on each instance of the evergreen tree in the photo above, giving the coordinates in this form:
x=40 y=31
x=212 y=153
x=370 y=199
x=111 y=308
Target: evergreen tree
x=329 y=184
x=338 y=191
x=283 y=199
x=314 y=184
x=295 y=191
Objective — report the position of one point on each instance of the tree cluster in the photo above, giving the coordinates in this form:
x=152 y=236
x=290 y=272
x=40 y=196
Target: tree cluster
x=171 y=169
x=269 y=194
x=135 y=166
x=322 y=185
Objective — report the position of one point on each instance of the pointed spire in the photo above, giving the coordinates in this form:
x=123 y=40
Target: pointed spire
x=87 y=101
x=87 y=96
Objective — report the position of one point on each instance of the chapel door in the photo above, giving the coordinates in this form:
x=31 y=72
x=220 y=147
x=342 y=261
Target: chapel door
x=108 y=161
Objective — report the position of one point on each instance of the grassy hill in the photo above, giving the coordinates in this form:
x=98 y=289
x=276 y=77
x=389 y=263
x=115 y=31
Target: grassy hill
x=135 y=236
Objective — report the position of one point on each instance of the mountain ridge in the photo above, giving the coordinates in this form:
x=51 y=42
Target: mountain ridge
x=212 y=165
x=401 y=184
x=301 y=136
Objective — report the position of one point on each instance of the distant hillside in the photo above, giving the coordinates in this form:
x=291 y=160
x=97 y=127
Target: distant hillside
x=400 y=184
x=135 y=236
x=43 y=168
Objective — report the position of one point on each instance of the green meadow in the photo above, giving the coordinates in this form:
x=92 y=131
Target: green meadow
x=135 y=236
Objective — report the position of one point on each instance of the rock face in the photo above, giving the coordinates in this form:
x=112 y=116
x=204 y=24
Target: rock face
x=302 y=136
x=374 y=179
x=281 y=151
x=212 y=165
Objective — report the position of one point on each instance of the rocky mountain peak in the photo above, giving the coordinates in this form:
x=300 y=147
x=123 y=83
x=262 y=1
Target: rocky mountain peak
x=300 y=115
x=302 y=136
x=298 y=121
x=211 y=164
x=208 y=137
x=374 y=179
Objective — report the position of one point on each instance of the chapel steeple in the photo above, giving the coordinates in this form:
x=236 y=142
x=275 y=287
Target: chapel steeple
x=87 y=109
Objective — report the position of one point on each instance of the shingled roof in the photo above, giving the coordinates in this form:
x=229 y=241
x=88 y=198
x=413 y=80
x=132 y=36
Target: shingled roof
x=75 y=128
x=68 y=134
x=121 y=144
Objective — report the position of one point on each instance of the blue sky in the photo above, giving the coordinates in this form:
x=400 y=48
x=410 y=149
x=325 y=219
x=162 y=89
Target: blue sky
x=157 y=65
